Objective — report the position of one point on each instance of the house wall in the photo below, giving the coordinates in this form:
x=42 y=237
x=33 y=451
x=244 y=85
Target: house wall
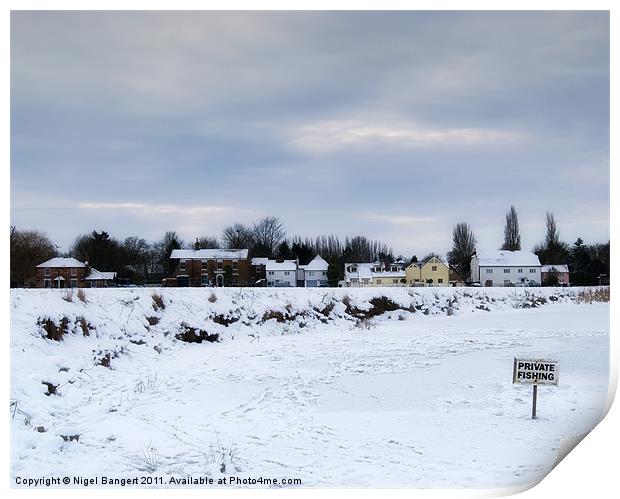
x=500 y=274
x=64 y=272
x=390 y=281
x=440 y=276
x=314 y=278
x=194 y=271
x=412 y=273
x=288 y=277
x=563 y=277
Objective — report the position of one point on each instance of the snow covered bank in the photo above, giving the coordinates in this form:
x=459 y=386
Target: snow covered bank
x=355 y=387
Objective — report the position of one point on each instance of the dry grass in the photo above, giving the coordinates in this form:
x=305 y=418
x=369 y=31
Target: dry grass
x=593 y=295
x=81 y=294
x=212 y=297
x=68 y=296
x=158 y=302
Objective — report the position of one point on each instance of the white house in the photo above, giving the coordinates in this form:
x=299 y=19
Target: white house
x=506 y=268
x=281 y=273
x=374 y=274
x=314 y=274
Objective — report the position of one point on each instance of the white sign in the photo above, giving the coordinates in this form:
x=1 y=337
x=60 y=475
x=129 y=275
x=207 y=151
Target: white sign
x=536 y=371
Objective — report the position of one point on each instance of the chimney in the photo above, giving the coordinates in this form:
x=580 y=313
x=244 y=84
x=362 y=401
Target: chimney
x=279 y=259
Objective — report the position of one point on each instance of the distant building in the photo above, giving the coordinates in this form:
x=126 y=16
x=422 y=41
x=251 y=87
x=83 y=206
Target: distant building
x=61 y=272
x=560 y=271
x=506 y=268
x=375 y=274
x=210 y=267
x=431 y=272
x=314 y=274
x=281 y=273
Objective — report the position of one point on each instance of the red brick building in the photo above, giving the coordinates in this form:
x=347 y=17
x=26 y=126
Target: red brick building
x=210 y=267
x=62 y=273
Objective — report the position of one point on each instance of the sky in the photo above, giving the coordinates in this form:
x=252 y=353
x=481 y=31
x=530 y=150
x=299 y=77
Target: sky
x=394 y=125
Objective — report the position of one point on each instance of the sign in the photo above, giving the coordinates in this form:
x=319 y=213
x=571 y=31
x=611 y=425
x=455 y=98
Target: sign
x=535 y=372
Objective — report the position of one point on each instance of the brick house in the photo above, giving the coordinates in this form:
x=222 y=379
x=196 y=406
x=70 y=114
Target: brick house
x=210 y=267
x=560 y=271
x=63 y=272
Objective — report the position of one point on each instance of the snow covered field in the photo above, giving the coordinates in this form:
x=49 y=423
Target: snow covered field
x=301 y=385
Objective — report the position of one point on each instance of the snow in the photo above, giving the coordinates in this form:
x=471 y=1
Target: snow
x=508 y=259
x=62 y=262
x=206 y=254
x=273 y=265
x=554 y=268
x=316 y=264
x=419 y=398
x=96 y=275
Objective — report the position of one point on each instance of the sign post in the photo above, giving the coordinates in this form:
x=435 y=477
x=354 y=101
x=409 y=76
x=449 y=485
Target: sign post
x=535 y=372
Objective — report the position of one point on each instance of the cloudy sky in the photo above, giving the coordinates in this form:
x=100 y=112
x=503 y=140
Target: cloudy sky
x=393 y=125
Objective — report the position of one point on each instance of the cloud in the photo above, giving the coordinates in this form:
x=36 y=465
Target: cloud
x=331 y=135
x=157 y=209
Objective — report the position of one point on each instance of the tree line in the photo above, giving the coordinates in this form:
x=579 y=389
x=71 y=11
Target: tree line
x=588 y=264
x=147 y=262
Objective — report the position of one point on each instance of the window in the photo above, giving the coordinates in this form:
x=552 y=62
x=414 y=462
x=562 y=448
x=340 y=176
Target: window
x=182 y=265
x=376 y=269
x=324 y=273
x=506 y=271
x=235 y=265
x=434 y=268
x=73 y=272
x=270 y=272
x=220 y=265
x=93 y=284
x=364 y=281
x=520 y=271
x=489 y=271
x=394 y=281
x=532 y=271
x=310 y=272
x=74 y=283
x=47 y=271
x=378 y=281
x=394 y=268
x=235 y=280
x=352 y=268
x=47 y=283
x=204 y=279
x=286 y=272
x=204 y=265
x=440 y=280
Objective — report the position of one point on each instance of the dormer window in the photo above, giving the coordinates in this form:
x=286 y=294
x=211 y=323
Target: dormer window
x=377 y=269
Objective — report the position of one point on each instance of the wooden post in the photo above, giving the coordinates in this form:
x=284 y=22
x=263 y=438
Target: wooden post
x=534 y=396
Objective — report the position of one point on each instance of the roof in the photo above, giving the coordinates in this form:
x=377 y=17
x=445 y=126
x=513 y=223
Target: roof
x=285 y=265
x=503 y=258
x=554 y=268
x=210 y=254
x=317 y=263
x=62 y=262
x=260 y=260
x=96 y=275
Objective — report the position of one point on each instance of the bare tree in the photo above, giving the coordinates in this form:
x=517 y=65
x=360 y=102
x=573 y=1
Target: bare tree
x=267 y=233
x=512 y=237
x=463 y=248
x=237 y=236
x=29 y=248
x=206 y=242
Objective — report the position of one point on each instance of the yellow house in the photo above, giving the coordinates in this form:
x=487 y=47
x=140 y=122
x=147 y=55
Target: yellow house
x=412 y=273
x=435 y=273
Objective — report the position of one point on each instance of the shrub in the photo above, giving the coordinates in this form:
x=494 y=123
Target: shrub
x=212 y=297
x=84 y=325
x=192 y=335
x=52 y=389
x=68 y=296
x=158 y=302
x=153 y=320
x=52 y=331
